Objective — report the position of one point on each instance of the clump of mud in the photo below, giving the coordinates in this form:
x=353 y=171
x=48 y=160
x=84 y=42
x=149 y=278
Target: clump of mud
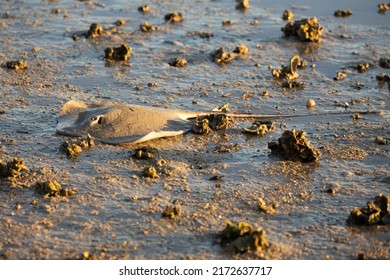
x=267 y=208
x=375 y=213
x=53 y=188
x=121 y=53
x=221 y=57
x=76 y=147
x=242 y=238
x=208 y=123
x=361 y=67
x=16 y=65
x=384 y=62
x=172 y=211
x=307 y=29
x=150 y=172
x=293 y=145
x=175 y=17
x=144 y=9
x=241 y=49
x=148 y=152
x=340 y=75
x=147 y=27
x=201 y=34
x=288 y=15
x=384 y=77
x=178 y=62
x=120 y=22
x=343 y=13
x=260 y=128
x=227 y=22
x=383 y=7
x=95 y=30
x=242 y=4
x=12 y=169
x=288 y=72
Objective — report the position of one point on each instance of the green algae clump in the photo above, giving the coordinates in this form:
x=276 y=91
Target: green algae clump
x=172 y=211
x=121 y=53
x=375 y=213
x=242 y=238
x=307 y=29
x=52 y=188
x=12 y=169
x=293 y=145
x=208 y=123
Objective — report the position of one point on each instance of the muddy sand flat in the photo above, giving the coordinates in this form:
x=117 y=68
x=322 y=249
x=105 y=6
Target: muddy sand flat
x=113 y=206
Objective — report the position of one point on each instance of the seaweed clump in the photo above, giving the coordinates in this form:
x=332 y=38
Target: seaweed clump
x=384 y=62
x=121 y=53
x=147 y=27
x=145 y=152
x=95 y=30
x=375 y=213
x=175 y=17
x=172 y=211
x=242 y=4
x=242 y=238
x=288 y=72
x=307 y=29
x=12 y=169
x=16 y=65
x=178 y=62
x=293 y=145
x=208 y=123
x=53 y=188
x=220 y=56
x=343 y=13
x=260 y=128
x=75 y=148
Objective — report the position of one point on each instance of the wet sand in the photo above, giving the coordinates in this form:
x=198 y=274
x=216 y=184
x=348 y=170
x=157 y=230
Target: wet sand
x=116 y=213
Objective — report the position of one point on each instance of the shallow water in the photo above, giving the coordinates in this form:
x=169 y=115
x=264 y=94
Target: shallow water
x=116 y=213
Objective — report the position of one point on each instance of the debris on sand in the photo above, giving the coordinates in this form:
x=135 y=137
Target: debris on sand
x=201 y=34
x=95 y=30
x=375 y=213
x=241 y=49
x=384 y=62
x=361 y=67
x=260 y=128
x=178 y=62
x=287 y=15
x=16 y=64
x=340 y=75
x=293 y=145
x=148 y=152
x=343 y=13
x=383 y=7
x=221 y=57
x=242 y=4
x=307 y=29
x=144 y=9
x=288 y=72
x=267 y=208
x=121 y=53
x=150 y=172
x=147 y=27
x=120 y=22
x=242 y=238
x=384 y=77
x=76 y=147
x=382 y=140
x=172 y=211
x=208 y=123
x=12 y=169
x=175 y=17
x=53 y=188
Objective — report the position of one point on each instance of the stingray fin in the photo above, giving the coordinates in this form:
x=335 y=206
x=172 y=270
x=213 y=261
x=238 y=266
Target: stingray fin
x=72 y=107
x=136 y=140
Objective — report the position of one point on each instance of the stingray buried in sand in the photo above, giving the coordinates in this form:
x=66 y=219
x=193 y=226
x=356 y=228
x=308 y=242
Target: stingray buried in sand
x=116 y=123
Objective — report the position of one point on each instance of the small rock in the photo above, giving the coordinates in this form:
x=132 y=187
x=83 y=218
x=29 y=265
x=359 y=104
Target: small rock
x=94 y=31
x=178 y=62
x=121 y=53
x=16 y=64
x=144 y=9
x=384 y=62
x=310 y=103
x=175 y=17
x=307 y=29
x=340 y=76
x=343 y=13
x=287 y=15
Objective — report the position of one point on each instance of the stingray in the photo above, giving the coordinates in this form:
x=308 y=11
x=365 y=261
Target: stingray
x=116 y=123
